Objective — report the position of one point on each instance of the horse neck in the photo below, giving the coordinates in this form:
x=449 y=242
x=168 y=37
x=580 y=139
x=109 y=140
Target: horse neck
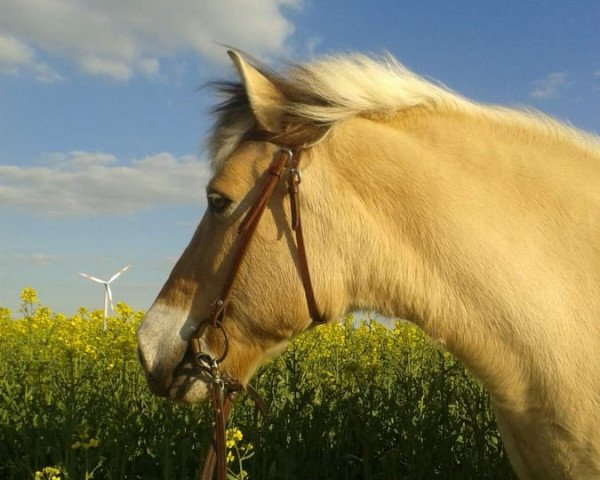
x=437 y=234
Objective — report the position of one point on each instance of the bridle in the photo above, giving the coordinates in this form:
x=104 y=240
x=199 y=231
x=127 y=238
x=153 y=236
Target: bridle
x=224 y=388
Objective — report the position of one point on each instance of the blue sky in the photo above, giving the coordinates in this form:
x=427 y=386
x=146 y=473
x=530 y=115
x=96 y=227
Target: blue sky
x=102 y=117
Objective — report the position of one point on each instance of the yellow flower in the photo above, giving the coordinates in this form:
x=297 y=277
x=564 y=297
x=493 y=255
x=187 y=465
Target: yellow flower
x=5 y=313
x=48 y=473
x=232 y=437
x=123 y=310
x=29 y=295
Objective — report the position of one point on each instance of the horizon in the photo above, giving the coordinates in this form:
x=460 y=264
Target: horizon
x=102 y=118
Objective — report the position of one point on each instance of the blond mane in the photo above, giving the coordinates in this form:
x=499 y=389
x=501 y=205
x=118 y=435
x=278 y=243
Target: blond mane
x=334 y=88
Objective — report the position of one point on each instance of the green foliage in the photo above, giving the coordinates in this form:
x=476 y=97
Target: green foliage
x=347 y=402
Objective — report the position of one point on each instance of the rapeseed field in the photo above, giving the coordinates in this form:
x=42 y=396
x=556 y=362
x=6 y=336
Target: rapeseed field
x=354 y=400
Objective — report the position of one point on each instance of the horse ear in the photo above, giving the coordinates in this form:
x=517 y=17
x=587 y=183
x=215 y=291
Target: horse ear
x=265 y=98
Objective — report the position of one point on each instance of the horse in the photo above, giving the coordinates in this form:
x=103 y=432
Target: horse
x=478 y=223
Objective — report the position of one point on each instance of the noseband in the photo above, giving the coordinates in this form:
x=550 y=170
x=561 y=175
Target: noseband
x=223 y=388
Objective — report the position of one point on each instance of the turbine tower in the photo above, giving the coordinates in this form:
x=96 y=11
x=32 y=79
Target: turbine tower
x=108 y=298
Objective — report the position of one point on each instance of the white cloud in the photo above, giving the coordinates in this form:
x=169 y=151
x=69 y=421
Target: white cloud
x=13 y=52
x=45 y=73
x=40 y=259
x=117 y=70
x=81 y=184
x=15 y=56
x=550 y=85
x=119 y=39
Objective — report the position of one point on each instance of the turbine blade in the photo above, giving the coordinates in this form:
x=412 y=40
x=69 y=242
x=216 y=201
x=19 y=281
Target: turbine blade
x=105 y=306
x=109 y=293
x=94 y=279
x=116 y=275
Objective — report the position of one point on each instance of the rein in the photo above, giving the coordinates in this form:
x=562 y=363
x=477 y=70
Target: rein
x=223 y=388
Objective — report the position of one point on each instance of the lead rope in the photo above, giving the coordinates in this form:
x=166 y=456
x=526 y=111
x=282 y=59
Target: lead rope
x=222 y=393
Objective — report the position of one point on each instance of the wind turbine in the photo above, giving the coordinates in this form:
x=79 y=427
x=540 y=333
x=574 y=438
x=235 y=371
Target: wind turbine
x=107 y=291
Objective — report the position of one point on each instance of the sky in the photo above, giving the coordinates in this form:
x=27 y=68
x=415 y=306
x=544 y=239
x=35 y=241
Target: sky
x=103 y=110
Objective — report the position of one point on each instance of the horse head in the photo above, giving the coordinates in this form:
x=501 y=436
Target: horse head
x=265 y=306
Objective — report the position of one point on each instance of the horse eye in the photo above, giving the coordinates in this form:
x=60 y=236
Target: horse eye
x=218 y=203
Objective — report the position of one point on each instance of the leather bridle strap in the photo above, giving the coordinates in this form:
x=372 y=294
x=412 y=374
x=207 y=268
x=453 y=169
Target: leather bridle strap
x=223 y=388
x=218 y=452
x=222 y=393
x=283 y=158
x=293 y=181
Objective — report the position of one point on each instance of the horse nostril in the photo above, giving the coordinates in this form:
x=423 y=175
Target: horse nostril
x=145 y=363
x=157 y=385
x=158 y=382
x=141 y=359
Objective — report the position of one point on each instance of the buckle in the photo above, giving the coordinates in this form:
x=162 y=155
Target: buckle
x=289 y=152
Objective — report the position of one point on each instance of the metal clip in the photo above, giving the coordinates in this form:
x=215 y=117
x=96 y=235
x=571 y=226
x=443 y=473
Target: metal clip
x=288 y=152
x=218 y=381
x=206 y=362
x=295 y=176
